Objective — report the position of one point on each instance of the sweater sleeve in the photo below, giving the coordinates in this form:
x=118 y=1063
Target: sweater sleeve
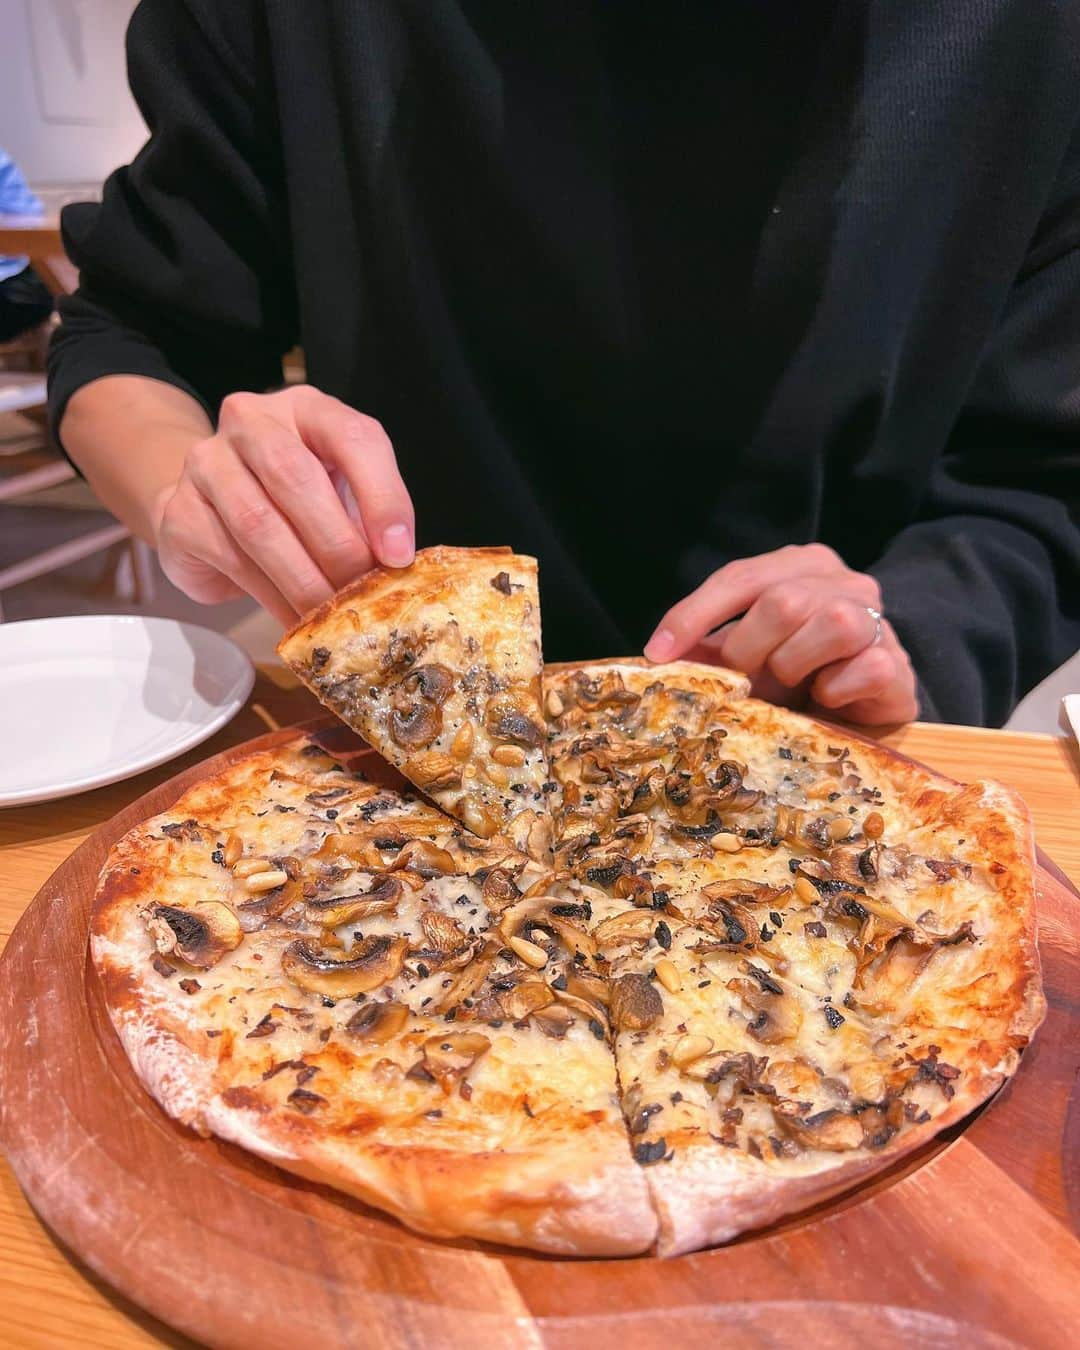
x=984 y=589
x=185 y=269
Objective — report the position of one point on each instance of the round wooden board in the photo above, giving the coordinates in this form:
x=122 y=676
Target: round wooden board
x=970 y=1242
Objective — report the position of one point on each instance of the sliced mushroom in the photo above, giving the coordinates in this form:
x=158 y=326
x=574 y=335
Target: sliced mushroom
x=447 y=1058
x=469 y=980
x=416 y=727
x=441 y=932
x=383 y=898
x=555 y=1020
x=832 y=1131
x=608 y=690
x=433 y=683
x=200 y=934
x=377 y=960
x=377 y=1022
x=776 y=1017
x=425 y=858
x=584 y=984
x=506 y=722
x=635 y=1003
x=499 y=889
x=434 y=771
x=634 y=925
x=523 y=999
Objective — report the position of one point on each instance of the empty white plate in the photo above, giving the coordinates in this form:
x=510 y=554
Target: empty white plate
x=92 y=699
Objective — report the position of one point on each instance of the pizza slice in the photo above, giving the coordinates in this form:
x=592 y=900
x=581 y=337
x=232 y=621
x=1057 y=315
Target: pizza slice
x=818 y=955
x=350 y=984
x=438 y=667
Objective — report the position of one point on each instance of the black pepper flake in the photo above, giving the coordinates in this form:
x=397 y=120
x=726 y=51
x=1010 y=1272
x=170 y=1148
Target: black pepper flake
x=833 y=1017
x=815 y=929
x=848 y=1001
x=833 y=797
x=433 y=1115
x=211 y=1034
x=218 y=856
x=704 y=984
x=422 y=970
x=766 y=933
x=648 y=1153
x=662 y=933
x=331 y=814
x=450 y=1014
x=319 y=657
x=527 y=1108
x=793 y=865
x=660 y=899
x=777 y=921
x=559 y=982
x=784 y=752
x=676 y=1098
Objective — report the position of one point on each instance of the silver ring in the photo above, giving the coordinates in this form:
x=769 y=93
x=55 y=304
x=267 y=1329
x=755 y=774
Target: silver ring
x=876 y=616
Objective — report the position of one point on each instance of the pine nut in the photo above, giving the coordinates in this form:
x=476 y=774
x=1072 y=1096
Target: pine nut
x=668 y=976
x=806 y=890
x=529 y=952
x=246 y=867
x=266 y=881
x=839 y=828
x=234 y=848
x=462 y=744
x=498 y=775
x=874 y=825
x=689 y=1048
x=511 y=755
x=553 y=704
x=726 y=843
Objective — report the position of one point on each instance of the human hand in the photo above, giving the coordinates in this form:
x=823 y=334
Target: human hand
x=258 y=506
x=805 y=635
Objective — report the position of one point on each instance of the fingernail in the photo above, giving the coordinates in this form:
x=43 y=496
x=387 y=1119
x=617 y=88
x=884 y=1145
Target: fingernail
x=660 y=646
x=397 y=546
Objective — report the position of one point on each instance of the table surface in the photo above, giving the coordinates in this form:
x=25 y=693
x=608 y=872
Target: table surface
x=47 y=1297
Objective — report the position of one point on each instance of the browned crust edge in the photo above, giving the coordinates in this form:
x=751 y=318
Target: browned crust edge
x=438 y=561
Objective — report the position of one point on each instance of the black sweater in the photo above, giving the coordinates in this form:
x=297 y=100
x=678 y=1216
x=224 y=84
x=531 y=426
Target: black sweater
x=642 y=288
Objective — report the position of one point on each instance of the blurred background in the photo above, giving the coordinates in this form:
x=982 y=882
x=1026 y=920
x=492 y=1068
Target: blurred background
x=67 y=120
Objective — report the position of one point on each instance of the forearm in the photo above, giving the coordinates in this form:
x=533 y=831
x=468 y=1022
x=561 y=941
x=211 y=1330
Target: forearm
x=129 y=436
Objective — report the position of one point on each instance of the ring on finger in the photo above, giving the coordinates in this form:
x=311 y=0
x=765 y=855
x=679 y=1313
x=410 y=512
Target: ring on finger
x=875 y=614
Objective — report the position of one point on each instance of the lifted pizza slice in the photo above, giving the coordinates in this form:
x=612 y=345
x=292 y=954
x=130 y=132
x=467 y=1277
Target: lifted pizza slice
x=438 y=666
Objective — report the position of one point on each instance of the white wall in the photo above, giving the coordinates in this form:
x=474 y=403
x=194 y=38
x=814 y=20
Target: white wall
x=66 y=115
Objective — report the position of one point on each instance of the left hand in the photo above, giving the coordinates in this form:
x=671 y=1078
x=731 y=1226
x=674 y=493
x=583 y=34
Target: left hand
x=805 y=636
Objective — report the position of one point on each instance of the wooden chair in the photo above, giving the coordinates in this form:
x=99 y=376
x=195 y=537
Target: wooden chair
x=30 y=463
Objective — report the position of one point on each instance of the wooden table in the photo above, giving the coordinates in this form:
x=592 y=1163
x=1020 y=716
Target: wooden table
x=48 y=1298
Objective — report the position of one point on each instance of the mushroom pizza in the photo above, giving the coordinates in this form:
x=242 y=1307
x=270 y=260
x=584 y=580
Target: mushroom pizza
x=685 y=964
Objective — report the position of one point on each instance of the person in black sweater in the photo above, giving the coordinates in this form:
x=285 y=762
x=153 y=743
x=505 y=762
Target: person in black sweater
x=749 y=320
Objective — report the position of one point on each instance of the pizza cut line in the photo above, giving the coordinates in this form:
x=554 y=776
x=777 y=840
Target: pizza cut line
x=754 y=961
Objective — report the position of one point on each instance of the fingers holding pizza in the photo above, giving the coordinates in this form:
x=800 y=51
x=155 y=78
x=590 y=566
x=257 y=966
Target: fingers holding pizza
x=294 y=495
x=805 y=628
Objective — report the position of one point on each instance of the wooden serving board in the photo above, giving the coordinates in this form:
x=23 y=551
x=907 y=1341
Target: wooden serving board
x=971 y=1242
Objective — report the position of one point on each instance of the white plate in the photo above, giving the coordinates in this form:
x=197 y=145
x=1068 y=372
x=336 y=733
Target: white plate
x=92 y=699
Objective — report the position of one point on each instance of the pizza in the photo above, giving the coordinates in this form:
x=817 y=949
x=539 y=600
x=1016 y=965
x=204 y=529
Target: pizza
x=762 y=960
x=438 y=667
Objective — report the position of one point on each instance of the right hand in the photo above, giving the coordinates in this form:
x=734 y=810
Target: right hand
x=258 y=507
